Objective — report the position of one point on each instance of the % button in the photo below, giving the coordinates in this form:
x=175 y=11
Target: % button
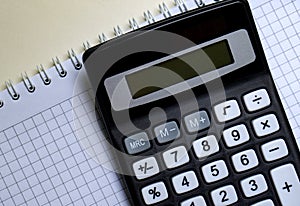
x=155 y=193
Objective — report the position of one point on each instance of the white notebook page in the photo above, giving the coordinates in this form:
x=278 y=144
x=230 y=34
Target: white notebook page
x=41 y=159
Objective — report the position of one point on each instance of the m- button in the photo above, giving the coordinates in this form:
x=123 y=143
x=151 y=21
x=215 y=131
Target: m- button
x=167 y=132
x=137 y=143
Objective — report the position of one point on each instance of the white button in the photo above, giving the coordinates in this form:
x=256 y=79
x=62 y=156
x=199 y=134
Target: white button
x=155 y=193
x=244 y=160
x=257 y=100
x=254 y=185
x=236 y=135
x=287 y=184
x=176 y=157
x=195 y=201
x=264 y=203
x=185 y=182
x=214 y=171
x=274 y=150
x=227 y=110
x=224 y=196
x=206 y=146
x=265 y=125
x=145 y=168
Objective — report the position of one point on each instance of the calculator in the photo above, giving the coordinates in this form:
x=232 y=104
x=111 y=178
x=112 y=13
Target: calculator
x=196 y=123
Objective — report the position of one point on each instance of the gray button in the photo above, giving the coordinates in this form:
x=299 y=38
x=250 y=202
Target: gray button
x=137 y=143
x=167 y=132
x=196 y=121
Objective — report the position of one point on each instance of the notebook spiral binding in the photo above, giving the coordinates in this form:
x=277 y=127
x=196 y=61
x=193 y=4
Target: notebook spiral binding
x=133 y=24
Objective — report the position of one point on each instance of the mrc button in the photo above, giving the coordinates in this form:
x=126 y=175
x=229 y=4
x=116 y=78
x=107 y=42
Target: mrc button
x=137 y=143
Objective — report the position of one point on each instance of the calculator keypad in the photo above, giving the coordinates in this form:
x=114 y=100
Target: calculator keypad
x=214 y=169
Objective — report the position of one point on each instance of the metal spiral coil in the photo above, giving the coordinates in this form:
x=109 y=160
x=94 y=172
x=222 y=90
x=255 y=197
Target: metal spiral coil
x=149 y=17
x=1 y=103
x=118 y=31
x=59 y=68
x=11 y=90
x=27 y=82
x=164 y=10
x=133 y=24
x=199 y=3
x=181 y=5
x=74 y=59
x=44 y=76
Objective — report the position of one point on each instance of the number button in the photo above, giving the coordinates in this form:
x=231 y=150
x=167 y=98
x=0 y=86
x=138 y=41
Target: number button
x=254 y=185
x=257 y=100
x=265 y=125
x=245 y=160
x=206 y=146
x=274 y=150
x=214 y=171
x=227 y=111
x=155 y=193
x=185 y=182
x=224 y=196
x=264 y=203
x=176 y=157
x=287 y=184
x=145 y=168
x=194 y=201
x=236 y=135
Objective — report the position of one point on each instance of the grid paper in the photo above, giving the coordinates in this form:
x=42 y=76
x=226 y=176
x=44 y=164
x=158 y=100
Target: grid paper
x=43 y=163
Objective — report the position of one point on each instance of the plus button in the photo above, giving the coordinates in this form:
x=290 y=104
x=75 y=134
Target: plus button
x=287 y=187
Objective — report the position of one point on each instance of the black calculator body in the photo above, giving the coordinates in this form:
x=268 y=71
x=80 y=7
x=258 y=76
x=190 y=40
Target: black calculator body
x=234 y=151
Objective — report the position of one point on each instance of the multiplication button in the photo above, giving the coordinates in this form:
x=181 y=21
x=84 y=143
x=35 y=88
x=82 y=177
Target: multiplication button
x=265 y=125
x=137 y=143
x=155 y=193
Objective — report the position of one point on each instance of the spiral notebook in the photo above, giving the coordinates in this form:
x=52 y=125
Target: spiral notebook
x=50 y=140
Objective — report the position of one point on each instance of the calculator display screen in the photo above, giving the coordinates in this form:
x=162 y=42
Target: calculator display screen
x=154 y=78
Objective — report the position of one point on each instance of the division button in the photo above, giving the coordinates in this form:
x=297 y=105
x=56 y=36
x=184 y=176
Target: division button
x=287 y=184
x=137 y=143
x=167 y=132
x=197 y=121
x=256 y=100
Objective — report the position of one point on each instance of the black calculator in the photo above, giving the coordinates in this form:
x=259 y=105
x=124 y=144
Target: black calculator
x=193 y=112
